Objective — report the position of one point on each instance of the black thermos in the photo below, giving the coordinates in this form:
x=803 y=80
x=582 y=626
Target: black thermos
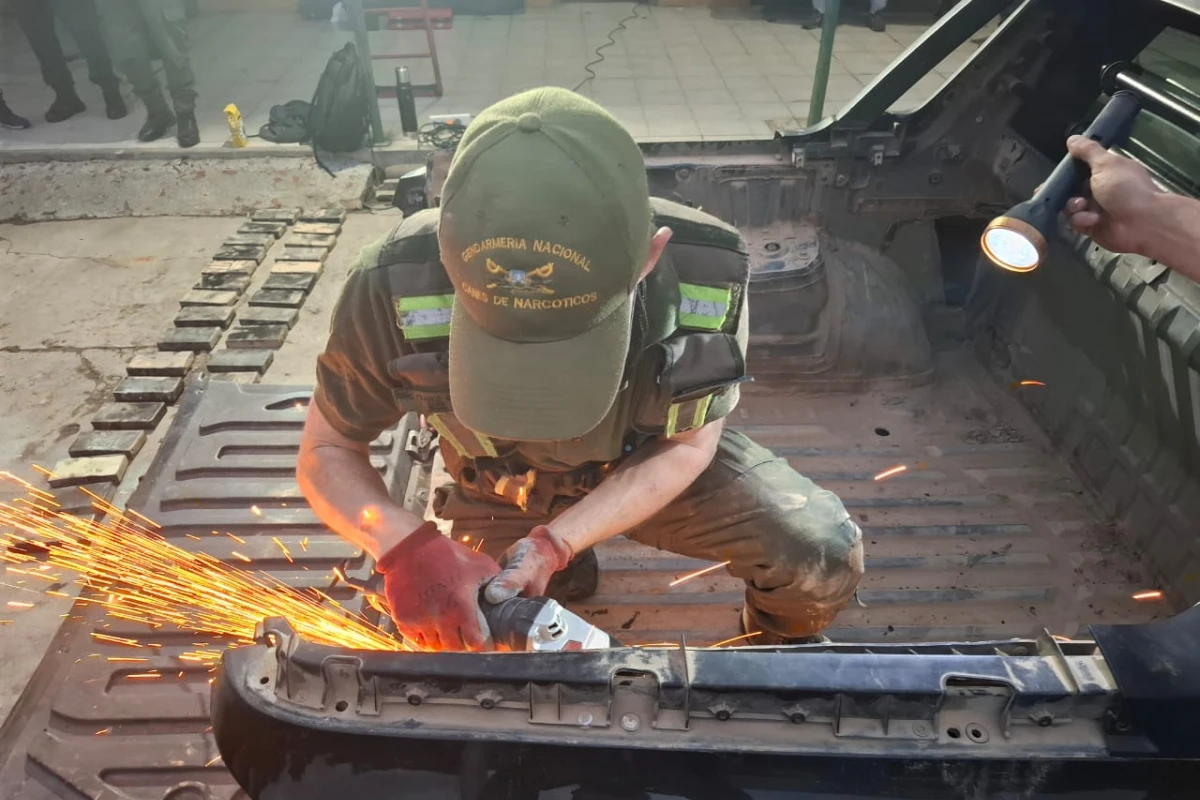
x=404 y=99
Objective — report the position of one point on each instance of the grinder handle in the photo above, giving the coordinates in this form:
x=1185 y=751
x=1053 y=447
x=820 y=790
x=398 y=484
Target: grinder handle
x=511 y=621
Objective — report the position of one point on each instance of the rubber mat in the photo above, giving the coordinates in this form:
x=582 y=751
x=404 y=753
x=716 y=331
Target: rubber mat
x=83 y=729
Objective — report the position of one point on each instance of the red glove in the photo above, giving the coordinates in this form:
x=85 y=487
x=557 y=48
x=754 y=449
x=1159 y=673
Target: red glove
x=528 y=566
x=432 y=587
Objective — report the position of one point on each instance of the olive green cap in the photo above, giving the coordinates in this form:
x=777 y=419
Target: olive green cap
x=544 y=231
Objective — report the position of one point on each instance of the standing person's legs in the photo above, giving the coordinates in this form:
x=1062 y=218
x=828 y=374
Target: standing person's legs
x=791 y=541
x=875 y=21
x=126 y=33
x=83 y=22
x=166 y=22
x=817 y=17
x=36 y=18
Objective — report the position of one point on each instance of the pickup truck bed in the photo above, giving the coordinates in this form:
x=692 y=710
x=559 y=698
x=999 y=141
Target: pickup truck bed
x=987 y=535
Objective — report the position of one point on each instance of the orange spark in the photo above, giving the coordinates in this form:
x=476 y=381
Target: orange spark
x=1029 y=383
x=103 y=732
x=466 y=538
x=237 y=539
x=304 y=544
x=255 y=510
x=731 y=640
x=193 y=536
x=698 y=573
x=214 y=761
x=137 y=575
x=1148 y=595
x=18 y=604
x=286 y=553
x=368 y=516
x=887 y=473
x=143 y=676
x=127 y=659
x=478 y=545
x=241 y=557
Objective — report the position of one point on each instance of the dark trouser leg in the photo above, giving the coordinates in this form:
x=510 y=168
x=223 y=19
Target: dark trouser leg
x=127 y=36
x=167 y=26
x=791 y=541
x=36 y=18
x=83 y=22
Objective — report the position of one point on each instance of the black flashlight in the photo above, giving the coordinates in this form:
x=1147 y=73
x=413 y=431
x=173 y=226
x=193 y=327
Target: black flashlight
x=1018 y=240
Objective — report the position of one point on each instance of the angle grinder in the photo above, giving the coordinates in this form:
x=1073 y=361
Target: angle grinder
x=522 y=624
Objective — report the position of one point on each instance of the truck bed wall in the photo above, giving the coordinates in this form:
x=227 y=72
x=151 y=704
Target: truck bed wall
x=1121 y=399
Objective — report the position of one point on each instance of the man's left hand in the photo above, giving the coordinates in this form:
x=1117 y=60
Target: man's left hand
x=528 y=566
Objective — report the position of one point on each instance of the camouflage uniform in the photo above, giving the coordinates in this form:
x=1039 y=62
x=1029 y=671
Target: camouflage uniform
x=140 y=31
x=792 y=542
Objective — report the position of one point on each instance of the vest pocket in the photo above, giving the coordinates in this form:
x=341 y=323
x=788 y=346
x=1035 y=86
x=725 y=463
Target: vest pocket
x=678 y=380
x=421 y=382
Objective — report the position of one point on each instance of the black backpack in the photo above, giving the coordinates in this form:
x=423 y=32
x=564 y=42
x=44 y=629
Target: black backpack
x=338 y=119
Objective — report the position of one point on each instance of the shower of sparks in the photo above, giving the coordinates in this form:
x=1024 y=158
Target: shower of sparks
x=698 y=573
x=1027 y=383
x=137 y=575
x=735 y=639
x=887 y=473
x=1148 y=595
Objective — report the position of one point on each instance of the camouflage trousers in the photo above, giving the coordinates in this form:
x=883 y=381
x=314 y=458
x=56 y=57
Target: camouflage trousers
x=792 y=542
x=141 y=31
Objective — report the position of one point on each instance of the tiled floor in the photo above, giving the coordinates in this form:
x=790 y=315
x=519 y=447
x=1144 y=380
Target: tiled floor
x=672 y=73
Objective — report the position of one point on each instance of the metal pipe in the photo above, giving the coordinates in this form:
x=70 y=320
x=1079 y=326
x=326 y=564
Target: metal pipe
x=1158 y=97
x=816 y=107
x=359 y=20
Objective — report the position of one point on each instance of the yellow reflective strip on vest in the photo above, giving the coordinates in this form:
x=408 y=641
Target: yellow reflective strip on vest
x=701 y=410
x=444 y=431
x=485 y=443
x=672 y=420
x=704 y=307
x=424 y=316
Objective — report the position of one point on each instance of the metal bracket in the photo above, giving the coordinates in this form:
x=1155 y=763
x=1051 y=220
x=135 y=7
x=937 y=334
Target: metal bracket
x=877 y=151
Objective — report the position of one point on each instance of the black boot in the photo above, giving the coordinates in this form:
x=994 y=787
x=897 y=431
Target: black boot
x=875 y=22
x=815 y=21
x=114 y=103
x=189 y=132
x=578 y=581
x=65 y=106
x=10 y=120
x=158 y=122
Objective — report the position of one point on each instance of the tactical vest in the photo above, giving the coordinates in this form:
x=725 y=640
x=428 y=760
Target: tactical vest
x=686 y=376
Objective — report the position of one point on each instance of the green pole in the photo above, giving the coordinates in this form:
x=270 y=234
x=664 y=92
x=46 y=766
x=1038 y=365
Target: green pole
x=359 y=20
x=816 y=108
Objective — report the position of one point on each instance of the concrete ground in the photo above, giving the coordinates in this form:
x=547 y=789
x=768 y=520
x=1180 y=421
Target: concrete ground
x=672 y=73
x=81 y=299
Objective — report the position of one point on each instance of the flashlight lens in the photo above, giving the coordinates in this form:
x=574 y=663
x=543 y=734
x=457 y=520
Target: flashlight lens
x=1010 y=250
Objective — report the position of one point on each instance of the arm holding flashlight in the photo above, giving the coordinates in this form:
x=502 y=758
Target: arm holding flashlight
x=1127 y=213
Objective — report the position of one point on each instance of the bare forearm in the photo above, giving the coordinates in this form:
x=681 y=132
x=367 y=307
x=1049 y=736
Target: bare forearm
x=637 y=490
x=1173 y=237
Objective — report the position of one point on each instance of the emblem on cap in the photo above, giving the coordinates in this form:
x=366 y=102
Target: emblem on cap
x=534 y=281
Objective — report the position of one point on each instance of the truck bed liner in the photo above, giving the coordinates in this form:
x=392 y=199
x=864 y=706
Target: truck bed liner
x=987 y=534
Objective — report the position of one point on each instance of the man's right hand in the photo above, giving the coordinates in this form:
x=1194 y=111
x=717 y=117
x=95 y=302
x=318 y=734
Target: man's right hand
x=432 y=585
x=1118 y=217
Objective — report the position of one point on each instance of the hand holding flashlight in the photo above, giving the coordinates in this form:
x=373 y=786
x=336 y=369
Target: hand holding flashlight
x=1118 y=215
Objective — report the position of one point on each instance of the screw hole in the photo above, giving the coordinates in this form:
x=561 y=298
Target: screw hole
x=264 y=680
x=414 y=699
x=882 y=432
x=341 y=705
x=953 y=733
x=975 y=734
x=771 y=247
x=487 y=703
